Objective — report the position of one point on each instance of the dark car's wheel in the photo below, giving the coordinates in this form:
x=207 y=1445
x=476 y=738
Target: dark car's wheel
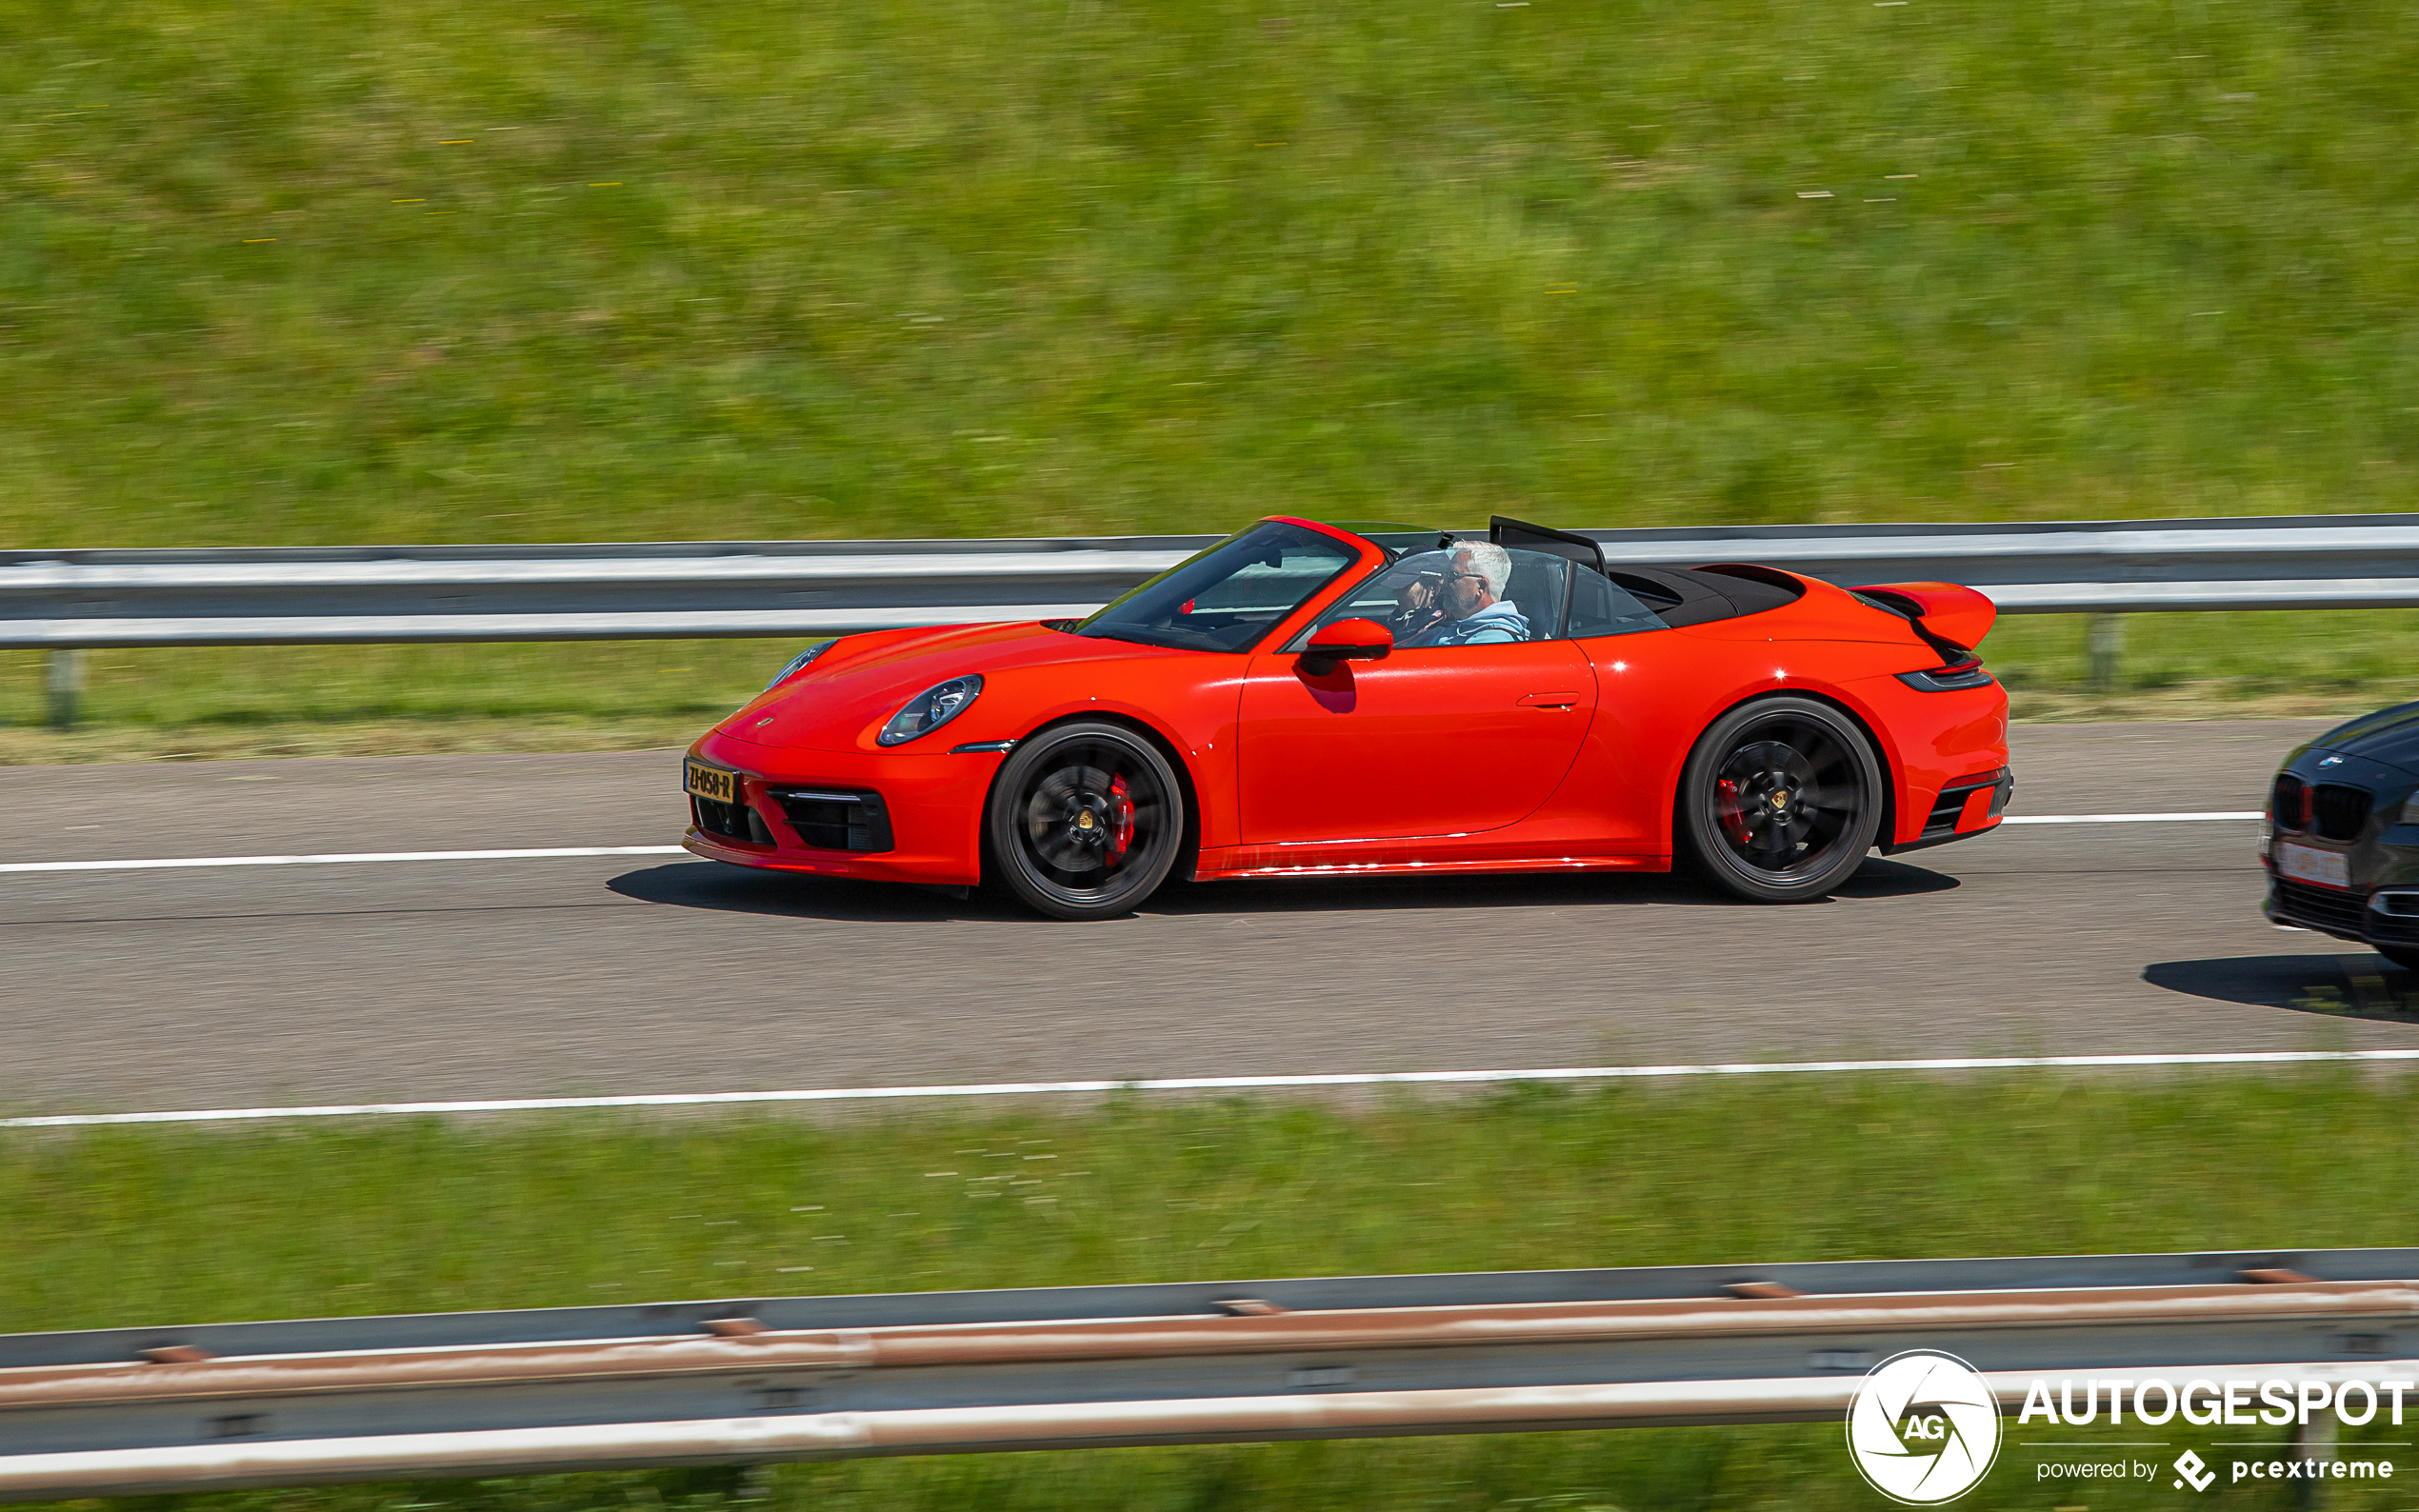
x=1085 y=821
x=1780 y=800
x=2406 y=957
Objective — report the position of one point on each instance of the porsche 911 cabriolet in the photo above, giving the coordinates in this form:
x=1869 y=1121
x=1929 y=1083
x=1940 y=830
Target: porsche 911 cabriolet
x=1309 y=698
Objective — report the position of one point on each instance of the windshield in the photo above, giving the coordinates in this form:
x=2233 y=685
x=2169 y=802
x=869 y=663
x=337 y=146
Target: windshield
x=1229 y=596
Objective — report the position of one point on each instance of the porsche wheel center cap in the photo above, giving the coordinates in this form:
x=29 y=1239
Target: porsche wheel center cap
x=1083 y=819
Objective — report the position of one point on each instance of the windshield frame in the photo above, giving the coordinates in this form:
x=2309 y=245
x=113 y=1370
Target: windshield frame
x=1363 y=553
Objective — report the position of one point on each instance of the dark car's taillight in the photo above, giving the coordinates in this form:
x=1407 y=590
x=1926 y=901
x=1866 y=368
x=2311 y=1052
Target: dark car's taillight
x=2289 y=804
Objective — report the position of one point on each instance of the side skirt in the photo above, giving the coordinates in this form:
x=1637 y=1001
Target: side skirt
x=1239 y=863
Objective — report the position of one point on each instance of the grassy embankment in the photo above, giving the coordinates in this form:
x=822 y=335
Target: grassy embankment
x=330 y=271
x=119 y=1226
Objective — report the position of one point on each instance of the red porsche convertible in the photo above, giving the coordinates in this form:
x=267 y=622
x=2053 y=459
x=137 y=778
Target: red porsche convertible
x=1311 y=697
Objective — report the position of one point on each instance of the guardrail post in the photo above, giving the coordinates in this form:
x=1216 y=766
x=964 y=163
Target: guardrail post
x=2107 y=650
x=66 y=687
x=2314 y=1440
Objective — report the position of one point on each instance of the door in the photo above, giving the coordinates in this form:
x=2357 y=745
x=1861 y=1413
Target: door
x=1467 y=726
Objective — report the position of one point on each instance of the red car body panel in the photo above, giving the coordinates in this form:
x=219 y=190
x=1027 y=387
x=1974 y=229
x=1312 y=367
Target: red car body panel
x=1430 y=742
x=1558 y=754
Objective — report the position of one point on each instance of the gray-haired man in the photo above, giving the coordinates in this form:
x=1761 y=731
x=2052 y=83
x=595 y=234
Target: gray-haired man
x=1471 y=595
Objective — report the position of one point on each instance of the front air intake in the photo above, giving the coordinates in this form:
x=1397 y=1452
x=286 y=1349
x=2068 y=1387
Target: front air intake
x=830 y=819
x=2330 y=910
x=729 y=821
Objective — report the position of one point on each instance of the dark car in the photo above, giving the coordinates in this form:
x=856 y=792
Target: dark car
x=2343 y=847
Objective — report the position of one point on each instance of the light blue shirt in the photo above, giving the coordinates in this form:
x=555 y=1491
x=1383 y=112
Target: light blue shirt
x=1496 y=623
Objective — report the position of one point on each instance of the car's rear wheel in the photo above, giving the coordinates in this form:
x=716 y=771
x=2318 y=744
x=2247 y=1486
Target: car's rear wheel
x=1085 y=821
x=1780 y=801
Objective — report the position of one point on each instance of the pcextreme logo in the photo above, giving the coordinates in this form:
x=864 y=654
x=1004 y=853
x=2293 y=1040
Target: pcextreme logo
x=1924 y=1427
x=2193 y=1470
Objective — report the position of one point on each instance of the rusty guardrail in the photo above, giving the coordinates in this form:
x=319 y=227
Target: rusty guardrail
x=125 y=1412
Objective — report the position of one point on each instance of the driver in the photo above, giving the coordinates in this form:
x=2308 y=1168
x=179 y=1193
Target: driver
x=1415 y=607
x=1471 y=597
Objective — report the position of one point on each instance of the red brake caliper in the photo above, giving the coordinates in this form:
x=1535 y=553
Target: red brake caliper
x=1121 y=821
x=1728 y=810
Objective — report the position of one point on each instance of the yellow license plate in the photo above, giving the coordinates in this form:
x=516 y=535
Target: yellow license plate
x=712 y=781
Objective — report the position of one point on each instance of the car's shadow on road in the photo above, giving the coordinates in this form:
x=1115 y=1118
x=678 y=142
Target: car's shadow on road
x=2354 y=985
x=736 y=889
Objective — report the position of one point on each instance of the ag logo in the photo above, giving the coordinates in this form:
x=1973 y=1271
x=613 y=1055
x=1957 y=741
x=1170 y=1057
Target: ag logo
x=1924 y=1427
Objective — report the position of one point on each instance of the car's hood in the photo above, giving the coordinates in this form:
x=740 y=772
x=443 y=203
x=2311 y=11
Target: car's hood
x=2390 y=735
x=841 y=701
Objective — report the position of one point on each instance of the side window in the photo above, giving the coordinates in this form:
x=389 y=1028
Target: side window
x=1599 y=606
x=1473 y=593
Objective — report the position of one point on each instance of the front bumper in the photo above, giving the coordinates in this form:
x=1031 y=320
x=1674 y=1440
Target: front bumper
x=881 y=817
x=2369 y=916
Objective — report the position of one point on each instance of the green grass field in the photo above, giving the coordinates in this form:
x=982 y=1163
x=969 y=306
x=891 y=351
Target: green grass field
x=316 y=270
x=320 y=270
x=125 y=1227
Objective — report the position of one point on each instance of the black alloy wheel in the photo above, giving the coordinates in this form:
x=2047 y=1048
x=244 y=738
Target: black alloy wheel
x=1085 y=821
x=1780 y=800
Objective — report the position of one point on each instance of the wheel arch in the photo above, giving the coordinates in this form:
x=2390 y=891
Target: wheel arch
x=1188 y=844
x=1892 y=772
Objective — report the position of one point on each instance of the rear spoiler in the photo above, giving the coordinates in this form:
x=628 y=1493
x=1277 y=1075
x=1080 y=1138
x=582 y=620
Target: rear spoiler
x=1951 y=620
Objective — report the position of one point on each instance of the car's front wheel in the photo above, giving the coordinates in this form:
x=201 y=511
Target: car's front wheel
x=1780 y=800
x=1085 y=821
x=2406 y=957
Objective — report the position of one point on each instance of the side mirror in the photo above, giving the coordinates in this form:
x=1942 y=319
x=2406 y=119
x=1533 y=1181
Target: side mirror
x=1347 y=641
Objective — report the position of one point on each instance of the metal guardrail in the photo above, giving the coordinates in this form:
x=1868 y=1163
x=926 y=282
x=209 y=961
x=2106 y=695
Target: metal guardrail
x=127 y=1411
x=71 y=600
x=313 y=595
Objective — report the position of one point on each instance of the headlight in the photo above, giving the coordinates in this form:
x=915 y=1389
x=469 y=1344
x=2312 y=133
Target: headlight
x=797 y=664
x=931 y=709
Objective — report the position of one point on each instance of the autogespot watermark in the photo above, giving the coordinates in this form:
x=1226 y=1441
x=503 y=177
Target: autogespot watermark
x=1924 y=1426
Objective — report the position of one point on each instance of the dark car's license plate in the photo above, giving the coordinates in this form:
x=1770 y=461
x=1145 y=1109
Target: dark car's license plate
x=712 y=781
x=2329 y=868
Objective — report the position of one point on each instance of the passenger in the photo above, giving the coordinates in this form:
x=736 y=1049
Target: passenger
x=1471 y=596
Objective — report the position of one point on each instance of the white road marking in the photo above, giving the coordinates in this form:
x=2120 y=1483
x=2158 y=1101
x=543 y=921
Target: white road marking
x=1222 y=1084
x=343 y=858
x=2129 y=819
x=367 y=857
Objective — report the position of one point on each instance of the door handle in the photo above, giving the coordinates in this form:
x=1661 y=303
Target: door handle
x=1548 y=699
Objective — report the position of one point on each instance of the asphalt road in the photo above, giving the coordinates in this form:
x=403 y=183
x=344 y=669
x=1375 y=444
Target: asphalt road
x=201 y=988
